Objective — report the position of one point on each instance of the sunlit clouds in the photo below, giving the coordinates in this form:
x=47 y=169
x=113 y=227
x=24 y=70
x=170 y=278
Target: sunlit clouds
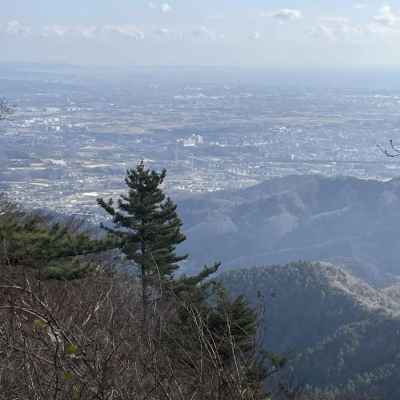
x=247 y=32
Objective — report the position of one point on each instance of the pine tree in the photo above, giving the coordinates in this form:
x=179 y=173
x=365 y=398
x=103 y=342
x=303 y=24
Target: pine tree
x=232 y=319
x=200 y=312
x=230 y=322
x=55 y=250
x=149 y=229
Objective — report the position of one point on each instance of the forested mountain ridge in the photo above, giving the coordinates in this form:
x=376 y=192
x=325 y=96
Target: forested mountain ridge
x=343 y=220
x=337 y=332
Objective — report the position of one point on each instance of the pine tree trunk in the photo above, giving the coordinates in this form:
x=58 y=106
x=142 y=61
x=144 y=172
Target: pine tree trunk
x=144 y=299
x=144 y=292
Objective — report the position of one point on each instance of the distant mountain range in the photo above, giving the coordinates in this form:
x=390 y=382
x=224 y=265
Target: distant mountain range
x=338 y=333
x=350 y=222
x=337 y=320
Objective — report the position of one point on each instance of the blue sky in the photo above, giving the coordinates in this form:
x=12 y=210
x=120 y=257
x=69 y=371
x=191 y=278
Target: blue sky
x=297 y=33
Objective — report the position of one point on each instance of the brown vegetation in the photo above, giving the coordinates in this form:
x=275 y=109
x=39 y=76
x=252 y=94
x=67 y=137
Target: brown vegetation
x=82 y=340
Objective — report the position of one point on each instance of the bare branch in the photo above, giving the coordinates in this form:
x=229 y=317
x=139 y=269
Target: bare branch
x=393 y=152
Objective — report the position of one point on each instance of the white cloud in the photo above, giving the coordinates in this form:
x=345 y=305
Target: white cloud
x=386 y=22
x=131 y=31
x=334 y=28
x=165 y=8
x=203 y=32
x=387 y=17
x=16 y=28
x=255 y=36
x=285 y=14
x=85 y=31
x=323 y=31
x=341 y=25
x=57 y=30
x=335 y=20
x=169 y=34
x=88 y=31
x=162 y=32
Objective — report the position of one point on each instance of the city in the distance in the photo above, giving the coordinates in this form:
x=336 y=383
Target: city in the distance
x=75 y=130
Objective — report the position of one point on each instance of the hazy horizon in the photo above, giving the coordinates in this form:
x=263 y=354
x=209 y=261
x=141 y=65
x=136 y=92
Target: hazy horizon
x=279 y=34
x=367 y=78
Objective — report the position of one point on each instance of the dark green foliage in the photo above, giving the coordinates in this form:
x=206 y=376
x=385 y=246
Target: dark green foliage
x=55 y=250
x=185 y=283
x=198 y=289
x=232 y=318
x=147 y=224
x=148 y=228
x=230 y=322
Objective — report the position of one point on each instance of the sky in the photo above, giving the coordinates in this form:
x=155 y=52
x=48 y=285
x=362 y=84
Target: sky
x=257 y=33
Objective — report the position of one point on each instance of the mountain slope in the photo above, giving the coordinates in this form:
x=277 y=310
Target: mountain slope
x=336 y=330
x=299 y=217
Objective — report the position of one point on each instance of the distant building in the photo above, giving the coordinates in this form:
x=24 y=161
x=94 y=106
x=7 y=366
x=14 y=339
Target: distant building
x=192 y=141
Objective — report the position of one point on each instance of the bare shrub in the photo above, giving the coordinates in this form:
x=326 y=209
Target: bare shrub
x=83 y=340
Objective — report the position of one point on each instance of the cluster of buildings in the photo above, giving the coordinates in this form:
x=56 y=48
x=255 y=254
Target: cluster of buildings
x=64 y=150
